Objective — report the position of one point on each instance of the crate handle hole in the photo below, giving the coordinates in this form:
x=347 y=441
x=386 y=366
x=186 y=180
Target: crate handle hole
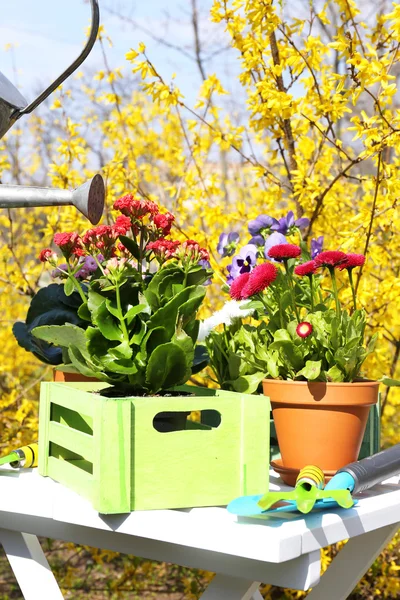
x=168 y=421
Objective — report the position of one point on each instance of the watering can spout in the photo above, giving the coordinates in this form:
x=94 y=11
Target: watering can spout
x=88 y=198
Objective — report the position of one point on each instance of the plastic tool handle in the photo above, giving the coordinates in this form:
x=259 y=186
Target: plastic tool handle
x=374 y=469
x=27 y=457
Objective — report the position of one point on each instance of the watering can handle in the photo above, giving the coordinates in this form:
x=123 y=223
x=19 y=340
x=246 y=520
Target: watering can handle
x=85 y=52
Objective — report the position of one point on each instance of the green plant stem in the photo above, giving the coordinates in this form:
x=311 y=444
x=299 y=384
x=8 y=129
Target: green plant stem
x=120 y=313
x=76 y=285
x=291 y=290
x=141 y=242
x=311 y=279
x=350 y=272
x=281 y=319
x=335 y=291
x=99 y=265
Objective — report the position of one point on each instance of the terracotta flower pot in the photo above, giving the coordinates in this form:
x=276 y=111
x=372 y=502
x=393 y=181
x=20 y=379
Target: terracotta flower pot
x=70 y=377
x=319 y=423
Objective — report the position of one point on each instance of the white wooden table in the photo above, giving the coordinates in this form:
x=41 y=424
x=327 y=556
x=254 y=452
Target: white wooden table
x=283 y=550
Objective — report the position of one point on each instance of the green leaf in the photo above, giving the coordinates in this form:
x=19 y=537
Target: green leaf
x=185 y=343
x=372 y=343
x=84 y=312
x=188 y=310
x=111 y=306
x=95 y=300
x=130 y=245
x=311 y=370
x=124 y=366
x=152 y=293
x=272 y=365
x=63 y=335
x=81 y=365
x=155 y=337
x=107 y=325
x=253 y=305
x=248 y=384
x=166 y=286
x=167 y=316
x=234 y=363
x=291 y=352
x=335 y=374
x=197 y=276
x=166 y=367
x=282 y=334
x=133 y=311
x=123 y=350
x=138 y=332
x=390 y=382
x=285 y=300
x=69 y=287
x=192 y=329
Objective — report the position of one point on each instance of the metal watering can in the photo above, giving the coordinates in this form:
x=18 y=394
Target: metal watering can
x=89 y=197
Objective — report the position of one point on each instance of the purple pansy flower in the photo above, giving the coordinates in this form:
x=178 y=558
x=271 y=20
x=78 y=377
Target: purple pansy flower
x=263 y=222
x=257 y=240
x=273 y=240
x=287 y=223
x=227 y=243
x=316 y=246
x=243 y=262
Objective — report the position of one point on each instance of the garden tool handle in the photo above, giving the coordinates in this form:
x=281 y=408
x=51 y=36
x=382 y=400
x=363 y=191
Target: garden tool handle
x=77 y=62
x=27 y=457
x=373 y=469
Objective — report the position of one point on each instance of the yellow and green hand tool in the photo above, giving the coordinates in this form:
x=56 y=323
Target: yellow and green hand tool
x=25 y=457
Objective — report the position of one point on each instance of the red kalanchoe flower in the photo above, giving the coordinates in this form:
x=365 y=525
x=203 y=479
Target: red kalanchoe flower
x=68 y=243
x=307 y=268
x=79 y=251
x=304 y=329
x=164 y=222
x=352 y=261
x=330 y=258
x=238 y=285
x=163 y=248
x=45 y=254
x=260 y=278
x=100 y=238
x=194 y=251
x=284 y=251
x=135 y=209
x=122 y=225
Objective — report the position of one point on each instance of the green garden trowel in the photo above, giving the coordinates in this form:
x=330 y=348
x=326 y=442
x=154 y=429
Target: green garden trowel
x=307 y=494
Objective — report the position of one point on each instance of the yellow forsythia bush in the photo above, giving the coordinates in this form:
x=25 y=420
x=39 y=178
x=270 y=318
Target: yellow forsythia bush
x=319 y=134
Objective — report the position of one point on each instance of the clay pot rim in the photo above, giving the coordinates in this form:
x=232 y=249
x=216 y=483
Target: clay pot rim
x=363 y=383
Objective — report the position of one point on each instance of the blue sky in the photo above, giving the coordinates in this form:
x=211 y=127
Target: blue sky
x=47 y=39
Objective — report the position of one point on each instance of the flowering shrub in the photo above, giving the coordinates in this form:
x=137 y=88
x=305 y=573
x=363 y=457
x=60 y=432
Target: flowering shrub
x=135 y=322
x=301 y=336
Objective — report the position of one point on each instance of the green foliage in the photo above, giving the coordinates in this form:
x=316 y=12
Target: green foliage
x=149 y=345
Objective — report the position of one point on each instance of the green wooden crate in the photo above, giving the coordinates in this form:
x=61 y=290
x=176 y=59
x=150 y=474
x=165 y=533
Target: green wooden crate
x=108 y=450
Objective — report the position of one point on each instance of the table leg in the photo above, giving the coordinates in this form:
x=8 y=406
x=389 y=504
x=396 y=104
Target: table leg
x=30 y=566
x=351 y=563
x=224 y=587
